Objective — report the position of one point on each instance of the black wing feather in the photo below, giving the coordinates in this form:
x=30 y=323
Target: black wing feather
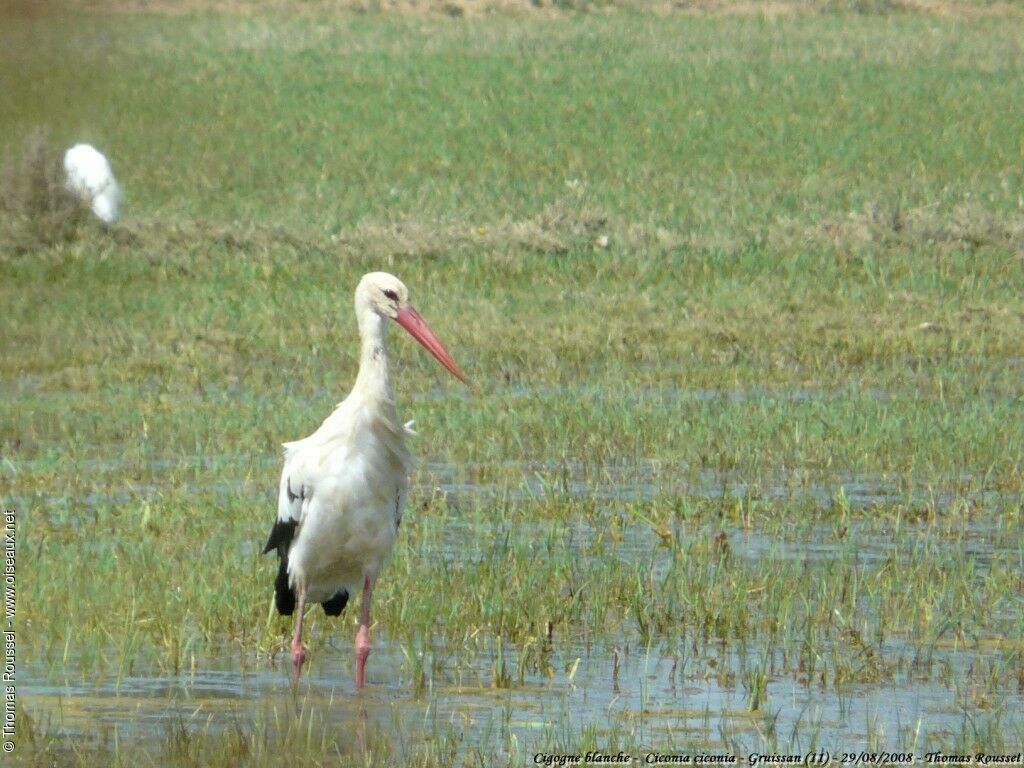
x=281 y=536
x=336 y=604
x=284 y=595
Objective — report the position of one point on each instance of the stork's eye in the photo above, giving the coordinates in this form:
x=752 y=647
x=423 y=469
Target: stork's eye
x=393 y=295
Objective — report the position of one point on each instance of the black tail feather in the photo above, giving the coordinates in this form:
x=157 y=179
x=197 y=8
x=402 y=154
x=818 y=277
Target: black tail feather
x=336 y=604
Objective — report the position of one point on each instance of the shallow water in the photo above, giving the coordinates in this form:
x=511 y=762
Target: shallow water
x=523 y=481
x=660 y=696
x=682 y=694
x=677 y=694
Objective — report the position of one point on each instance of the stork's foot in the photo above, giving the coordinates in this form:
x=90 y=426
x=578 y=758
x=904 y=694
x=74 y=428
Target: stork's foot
x=298 y=659
x=362 y=654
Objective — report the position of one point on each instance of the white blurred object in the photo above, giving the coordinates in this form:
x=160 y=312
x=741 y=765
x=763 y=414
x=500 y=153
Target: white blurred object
x=90 y=178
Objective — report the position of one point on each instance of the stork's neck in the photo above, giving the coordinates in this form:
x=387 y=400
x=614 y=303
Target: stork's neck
x=374 y=379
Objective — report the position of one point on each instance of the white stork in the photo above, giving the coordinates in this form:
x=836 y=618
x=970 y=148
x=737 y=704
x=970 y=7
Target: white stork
x=89 y=178
x=343 y=488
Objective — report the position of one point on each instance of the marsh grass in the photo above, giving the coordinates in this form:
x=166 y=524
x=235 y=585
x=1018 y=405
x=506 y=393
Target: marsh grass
x=744 y=326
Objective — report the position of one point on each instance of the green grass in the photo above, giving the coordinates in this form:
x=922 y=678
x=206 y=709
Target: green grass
x=811 y=283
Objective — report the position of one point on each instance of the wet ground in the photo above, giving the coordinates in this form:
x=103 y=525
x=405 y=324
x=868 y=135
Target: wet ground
x=664 y=696
x=678 y=694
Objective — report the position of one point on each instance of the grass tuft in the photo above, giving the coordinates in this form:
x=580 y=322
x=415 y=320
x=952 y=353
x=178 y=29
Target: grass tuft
x=37 y=211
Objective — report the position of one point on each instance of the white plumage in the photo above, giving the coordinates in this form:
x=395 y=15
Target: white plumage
x=344 y=487
x=89 y=177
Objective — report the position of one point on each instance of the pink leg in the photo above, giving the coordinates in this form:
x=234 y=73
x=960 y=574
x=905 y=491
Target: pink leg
x=298 y=652
x=363 y=635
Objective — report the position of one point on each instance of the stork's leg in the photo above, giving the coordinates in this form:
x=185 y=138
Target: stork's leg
x=363 y=635
x=298 y=652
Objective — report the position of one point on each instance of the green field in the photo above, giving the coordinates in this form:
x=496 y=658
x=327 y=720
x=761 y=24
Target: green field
x=741 y=299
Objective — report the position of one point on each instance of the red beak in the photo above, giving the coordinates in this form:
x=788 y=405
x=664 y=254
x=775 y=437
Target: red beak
x=417 y=327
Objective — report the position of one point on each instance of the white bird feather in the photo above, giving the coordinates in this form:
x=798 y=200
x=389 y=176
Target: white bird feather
x=89 y=177
x=343 y=488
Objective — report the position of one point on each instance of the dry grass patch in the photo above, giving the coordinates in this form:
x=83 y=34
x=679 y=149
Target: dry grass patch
x=967 y=227
x=37 y=211
x=568 y=223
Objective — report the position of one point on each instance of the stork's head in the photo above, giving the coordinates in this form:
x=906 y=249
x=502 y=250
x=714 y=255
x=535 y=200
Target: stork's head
x=386 y=296
x=383 y=293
